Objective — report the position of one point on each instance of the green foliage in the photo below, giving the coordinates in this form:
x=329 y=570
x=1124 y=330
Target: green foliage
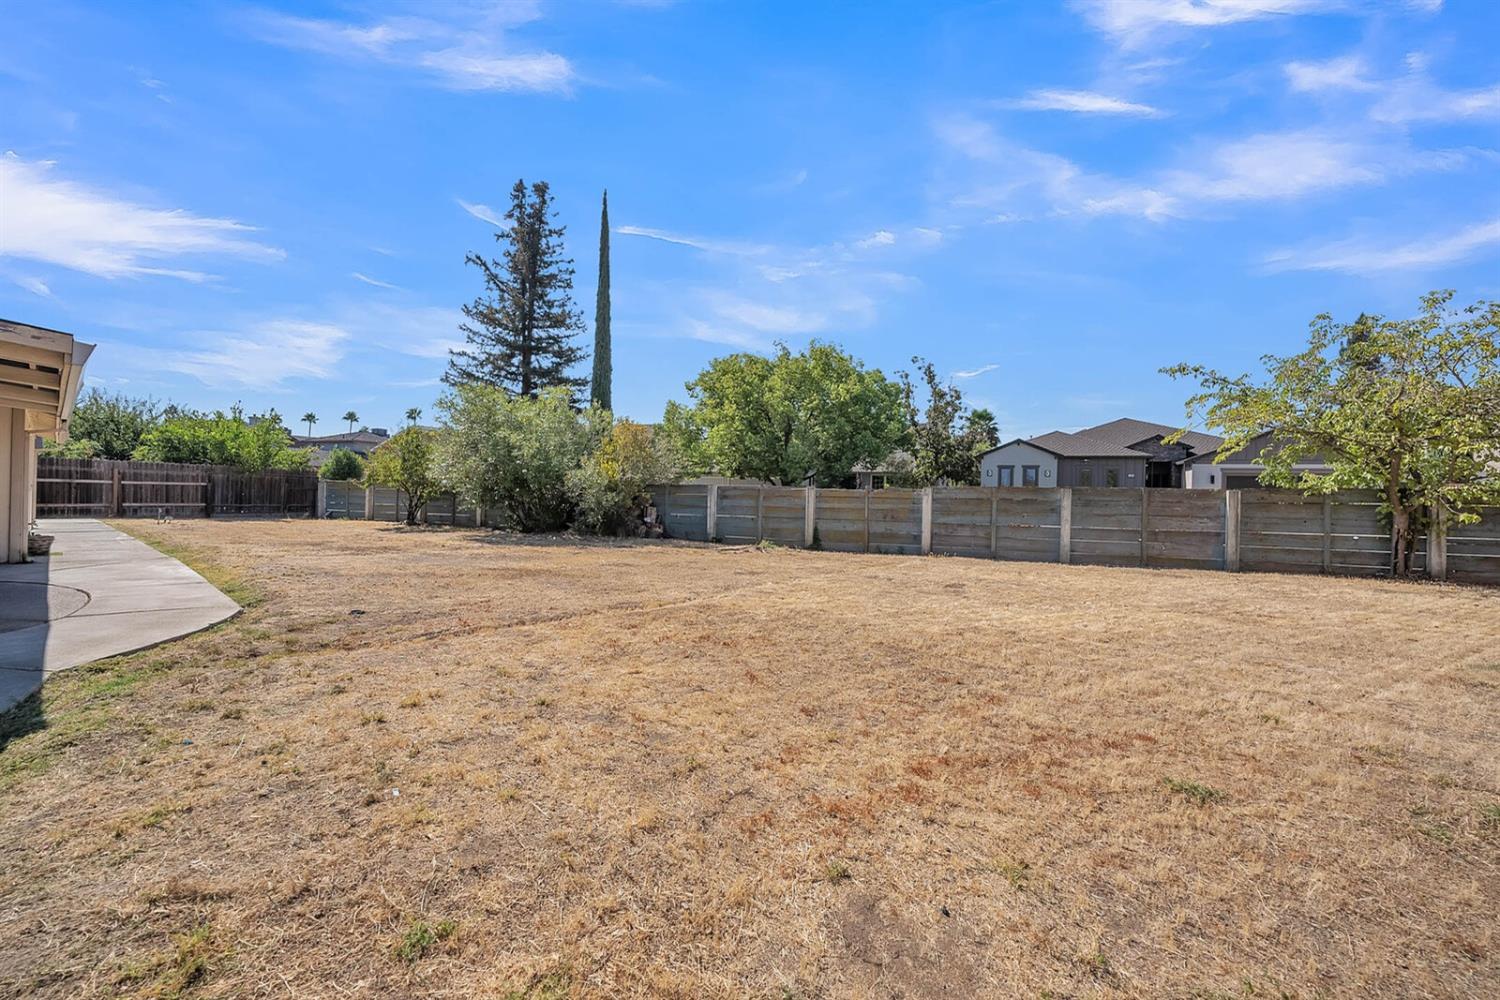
x=421 y=937
x=599 y=384
x=515 y=452
x=342 y=465
x=609 y=488
x=1410 y=407
x=407 y=462
x=220 y=438
x=946 y=441
x=783 y=418
x=521 y=331
x=1199 y=793
x=74 y=447
x=113 y=422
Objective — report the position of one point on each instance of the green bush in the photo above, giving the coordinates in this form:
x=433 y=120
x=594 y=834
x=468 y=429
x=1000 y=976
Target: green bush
x=609 y=487
x=342 y=465
x=253 y=445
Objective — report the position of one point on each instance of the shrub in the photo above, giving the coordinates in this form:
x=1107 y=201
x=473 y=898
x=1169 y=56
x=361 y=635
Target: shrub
x=253 y=445
x=405 y=462
x=515 y=452
x=342 y=465
x=609 y=488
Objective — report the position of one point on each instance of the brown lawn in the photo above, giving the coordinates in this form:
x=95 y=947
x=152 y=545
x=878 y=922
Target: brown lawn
x=647 y=769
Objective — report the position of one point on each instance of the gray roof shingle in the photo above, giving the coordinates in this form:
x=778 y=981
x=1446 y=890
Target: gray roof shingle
x=1126 y=432
x=1081 y=446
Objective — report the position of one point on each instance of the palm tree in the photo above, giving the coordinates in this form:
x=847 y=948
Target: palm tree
x=310 y=418
x=413 y=415
x=351 y=416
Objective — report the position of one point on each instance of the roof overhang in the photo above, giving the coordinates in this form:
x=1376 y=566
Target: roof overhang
x=41 y=371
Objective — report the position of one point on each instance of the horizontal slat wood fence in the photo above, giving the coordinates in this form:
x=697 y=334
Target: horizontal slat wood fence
x=382 y=503
x=1264 y=530
x=82 y=487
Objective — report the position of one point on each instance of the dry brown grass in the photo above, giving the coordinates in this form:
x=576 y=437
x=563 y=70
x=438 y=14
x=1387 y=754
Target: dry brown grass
x=673 y=770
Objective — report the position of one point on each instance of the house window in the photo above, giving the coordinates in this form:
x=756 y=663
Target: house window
x=1007 y=475
x=1111 y=477
x=1029 y=475
x=1211 y=478
x=1085 y=476
x=877 y=482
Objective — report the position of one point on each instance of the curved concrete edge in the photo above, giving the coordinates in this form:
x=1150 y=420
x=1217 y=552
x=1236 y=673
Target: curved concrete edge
x=138 y=598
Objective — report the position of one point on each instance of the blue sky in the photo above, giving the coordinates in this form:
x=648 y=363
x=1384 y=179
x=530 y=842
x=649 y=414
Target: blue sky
x=271 y=203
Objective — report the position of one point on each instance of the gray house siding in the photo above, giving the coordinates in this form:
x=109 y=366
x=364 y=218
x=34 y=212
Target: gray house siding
x=1128 y=471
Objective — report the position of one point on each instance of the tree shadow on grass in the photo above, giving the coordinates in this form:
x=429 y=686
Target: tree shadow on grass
x=22 y=719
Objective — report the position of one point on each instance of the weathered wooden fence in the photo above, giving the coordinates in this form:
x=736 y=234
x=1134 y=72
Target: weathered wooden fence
x=1269 y=530
x=381 y=503
x=81 y=487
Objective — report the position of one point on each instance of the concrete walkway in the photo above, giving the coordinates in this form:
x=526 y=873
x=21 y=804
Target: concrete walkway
x=100 y=593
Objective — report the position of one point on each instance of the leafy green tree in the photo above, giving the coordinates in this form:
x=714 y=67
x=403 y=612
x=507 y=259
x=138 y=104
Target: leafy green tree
x=784 y=418
x=946 y=441
x=351 y=417
x=599 y=386
x=256 y=444
x=342 y=465
x=681 y=430
x=113 y=422
x=407 y=463
x=515 y=452
x=521 y=331
x=309 y=418
x=1410 y=407
x=609 y=487
x=71 y=448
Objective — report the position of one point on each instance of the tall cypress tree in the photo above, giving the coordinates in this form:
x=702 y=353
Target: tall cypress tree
x=603 y=362
x=521 y=331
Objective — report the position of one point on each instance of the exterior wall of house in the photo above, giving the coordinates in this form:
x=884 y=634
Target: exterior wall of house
x=1203 y=476
x=15 y=484
x=1129 y=472
x=1018 y=454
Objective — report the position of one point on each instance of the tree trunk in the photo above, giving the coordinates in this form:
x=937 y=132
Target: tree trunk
x=1401 y=540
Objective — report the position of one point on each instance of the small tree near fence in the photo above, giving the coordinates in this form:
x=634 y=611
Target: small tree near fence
x=609 y=487
x=342 y=465
x=1410 y=407
x=405 y=463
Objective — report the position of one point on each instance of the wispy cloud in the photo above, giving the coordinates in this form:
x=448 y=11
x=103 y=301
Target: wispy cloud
x=879 y=238
x=481 y=212
x=263 y=356
x=1412 y=97
x=1368 y=256
x=62 y=222
x=458 y=46
x=371 y=281
x=706 y=244
x=975 y=372
x=1348 y=72
x=1134 y=22
x=34 y=285
x=1081 y=102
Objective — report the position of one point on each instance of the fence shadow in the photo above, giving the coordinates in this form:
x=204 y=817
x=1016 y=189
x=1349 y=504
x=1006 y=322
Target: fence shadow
x=25 y=613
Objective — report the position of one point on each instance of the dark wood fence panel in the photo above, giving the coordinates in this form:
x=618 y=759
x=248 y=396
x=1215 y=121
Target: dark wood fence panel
x=70 y=487
x=1474 y=549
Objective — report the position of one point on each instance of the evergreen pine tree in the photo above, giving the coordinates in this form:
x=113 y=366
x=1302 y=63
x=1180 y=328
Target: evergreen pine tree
x=520 y=332
x=603 y=363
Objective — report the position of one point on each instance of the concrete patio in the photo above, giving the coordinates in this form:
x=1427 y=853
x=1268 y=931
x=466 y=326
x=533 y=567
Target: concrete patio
x=100 y=593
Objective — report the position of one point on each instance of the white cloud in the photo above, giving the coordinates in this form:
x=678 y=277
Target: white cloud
x=879 y=238
x=263 y=356
x=481 y=212
x=461 y=47
x=36 y=286
x=1366 y=256
x=356 y=275
x=1416 y=99
x=705 y=244
x=1081 y=102
x=1342 y=73
x=763 y=318
x=1133 y=22
x=65 y=223
x=1281 y=165
x=975 y=372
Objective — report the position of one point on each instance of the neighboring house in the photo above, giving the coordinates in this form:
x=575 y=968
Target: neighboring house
x=1240 y=470
x=361 y=442
x=879 y=475
x=1123 y=452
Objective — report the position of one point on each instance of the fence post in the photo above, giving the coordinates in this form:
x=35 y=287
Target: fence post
x=1327 y=534
x=760 y=514
x=321 y=507
x=1437 y=544
x=1145 y=524
x=712 y=515
x=116 y=500
x=1065 y=525
x=809 y=516
x=926 y=521
x=1232 y=530
x=867 y=519
x=995 y=524
x=369 y=503
x=208 y=495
